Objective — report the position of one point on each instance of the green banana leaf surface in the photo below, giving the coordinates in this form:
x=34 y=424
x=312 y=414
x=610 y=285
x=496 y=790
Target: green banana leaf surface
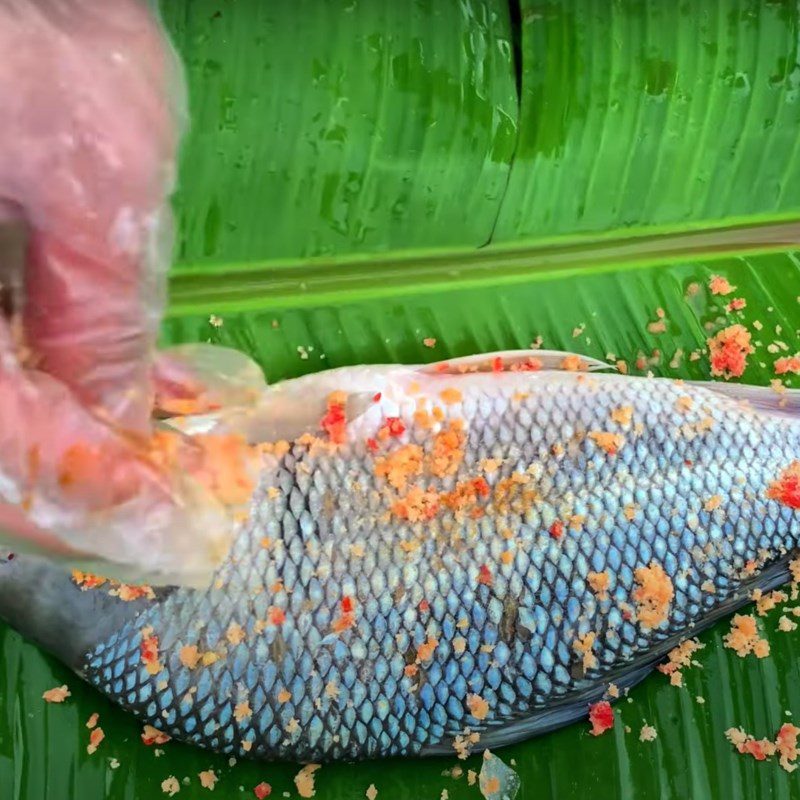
x=362 y=175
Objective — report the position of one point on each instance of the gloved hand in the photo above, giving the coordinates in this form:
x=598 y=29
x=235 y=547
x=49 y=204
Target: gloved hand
x=92 y=103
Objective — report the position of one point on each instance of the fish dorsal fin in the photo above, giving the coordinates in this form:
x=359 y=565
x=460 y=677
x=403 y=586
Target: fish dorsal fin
x=503 y=360
x=760 y=398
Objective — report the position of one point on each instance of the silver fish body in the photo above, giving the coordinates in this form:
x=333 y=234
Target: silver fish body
x=378 y=604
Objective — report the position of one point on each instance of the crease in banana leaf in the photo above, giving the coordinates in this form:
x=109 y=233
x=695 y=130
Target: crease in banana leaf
x=587 y=143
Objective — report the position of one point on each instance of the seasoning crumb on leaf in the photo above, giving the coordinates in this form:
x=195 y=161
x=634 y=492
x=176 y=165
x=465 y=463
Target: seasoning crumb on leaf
x=743 y=637
x=170 y=786
x=95 y=737
x=678 y=658
x=57 y=695
x=208 y=779
x=729 y=349
x=719 y=285
x=648 y=733
x=601 y=715
x=304 y=780
x=262 y=790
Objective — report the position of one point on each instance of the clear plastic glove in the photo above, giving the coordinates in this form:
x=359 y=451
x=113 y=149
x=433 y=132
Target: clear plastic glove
x=92 y=103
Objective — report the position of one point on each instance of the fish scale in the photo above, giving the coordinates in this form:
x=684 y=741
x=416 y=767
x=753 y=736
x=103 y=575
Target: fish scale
x=318 y=692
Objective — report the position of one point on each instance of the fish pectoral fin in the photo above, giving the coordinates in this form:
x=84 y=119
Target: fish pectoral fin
x=508 y=359
x=283 y=413
x=782 y=403
x=196 y=378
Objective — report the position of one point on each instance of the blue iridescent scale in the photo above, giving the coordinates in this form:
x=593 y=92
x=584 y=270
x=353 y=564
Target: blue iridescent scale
x=498 y=600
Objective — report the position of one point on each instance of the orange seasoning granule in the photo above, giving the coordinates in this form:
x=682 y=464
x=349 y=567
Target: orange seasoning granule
x=737 y=304
x=678 y=658
x=720 y=285
x=87 y=580
x=95 y=737
x=478 y=707
x=788 y=364
x=399 y=466
x=786 y=489
x=744 y=638
x=601 y=715
x=729 y=349
x=653 y=595
x=450 y=396
x=447 y=452
x=334 y=422
x=573 y=363
x=417 y=505
x=426 y=650
x=57 y=695
x=612 y=443
x=598 y=582
x=556 y=530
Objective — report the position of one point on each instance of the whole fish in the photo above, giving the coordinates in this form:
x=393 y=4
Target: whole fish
x=441 y=558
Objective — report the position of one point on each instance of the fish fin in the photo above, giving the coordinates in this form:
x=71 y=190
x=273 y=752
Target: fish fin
x=485 y=362
x=192 y=378
x=760 y=398
x=544 y=720
x=576 y=706
x=283 y=413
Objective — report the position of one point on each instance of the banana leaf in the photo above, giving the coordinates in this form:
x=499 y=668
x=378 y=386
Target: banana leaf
x=361 y=176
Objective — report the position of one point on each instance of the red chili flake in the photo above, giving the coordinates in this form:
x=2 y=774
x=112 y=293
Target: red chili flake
x=262 y=790
x=443 y=367
x=626 y=614
x=786 y=489
x=688 y=463
x=277 y=616
x=484 y=575
x=424 y=605
x=601 y=716
x=348 y=606
x=372 y=445
x=481 y=487
x=376 y=397
x=557 y=529
x=334 y=423
x=395 y=426
x=497 y=364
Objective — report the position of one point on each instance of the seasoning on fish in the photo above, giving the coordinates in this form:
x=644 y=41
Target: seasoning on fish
x=453 y=573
